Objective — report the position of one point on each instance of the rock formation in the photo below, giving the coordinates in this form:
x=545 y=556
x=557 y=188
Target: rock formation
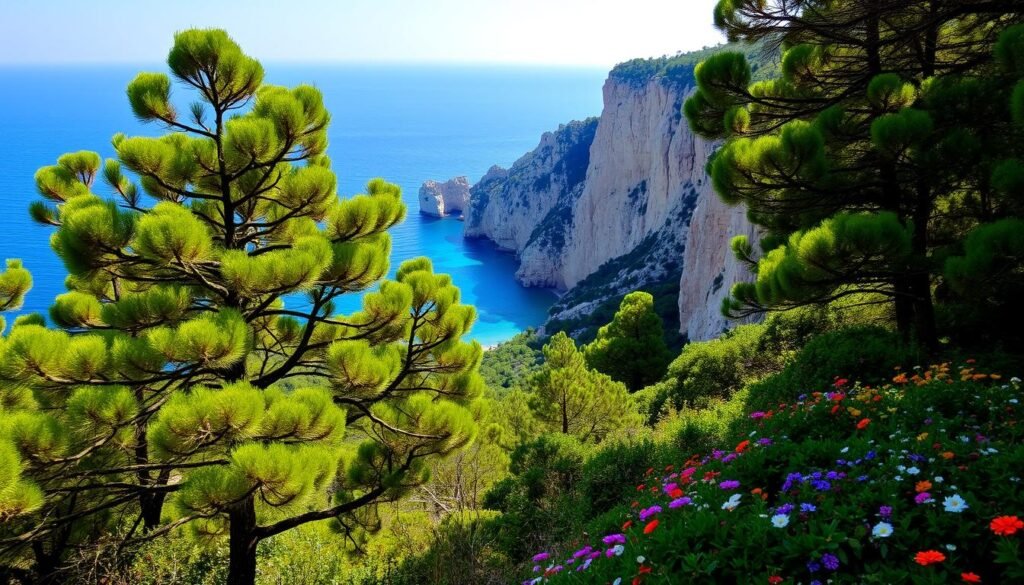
x=604 y=207
x=441 y=199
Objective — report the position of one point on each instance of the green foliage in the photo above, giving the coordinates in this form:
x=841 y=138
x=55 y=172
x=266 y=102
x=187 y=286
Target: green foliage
x=509 y=364
x=862 y=160
x=631 y=349
x=571 y=399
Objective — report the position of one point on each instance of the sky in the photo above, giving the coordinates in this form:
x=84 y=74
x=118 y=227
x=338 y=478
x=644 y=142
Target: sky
x=552 y=32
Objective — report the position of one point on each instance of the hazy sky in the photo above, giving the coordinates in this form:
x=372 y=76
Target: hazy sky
x=583 y=32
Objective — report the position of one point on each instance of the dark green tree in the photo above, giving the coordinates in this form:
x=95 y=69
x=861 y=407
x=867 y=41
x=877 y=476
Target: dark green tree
x=199 y=376
x=872 y=151
x=571 y=399
x=631 y=349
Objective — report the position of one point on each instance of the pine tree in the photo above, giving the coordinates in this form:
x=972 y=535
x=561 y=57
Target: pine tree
x=571 y=399
x=199 y=376
x=631 y=349
x=854 y=160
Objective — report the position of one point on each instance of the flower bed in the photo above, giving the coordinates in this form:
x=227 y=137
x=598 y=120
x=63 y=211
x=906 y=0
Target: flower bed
x=913 y=482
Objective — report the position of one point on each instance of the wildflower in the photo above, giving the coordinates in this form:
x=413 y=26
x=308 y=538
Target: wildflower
x=626 y=525
x=615 y=551
x=922 y=486
x=970 y=577
x=729 y=484
x=913 y=471
x=614 y=539
x=882 y=530
x=863 y=424
x=648 y=512
x=732 y=502
x=780 y=520
x=650 y=526
x=742 y=446
x=830 y=561
x=954 y=504
x=541 y=557
x=923 y=498
x=885 y=511
x=774 y=580
x=807 y=508
x=1006 y=525
x=813 y=566
x=679 y=502
x=784 y=509
x=929 y=557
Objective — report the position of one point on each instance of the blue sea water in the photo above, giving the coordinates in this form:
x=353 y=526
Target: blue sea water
x=404 y=123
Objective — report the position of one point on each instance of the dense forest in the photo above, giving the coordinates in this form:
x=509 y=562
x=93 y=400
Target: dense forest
x=174 y=420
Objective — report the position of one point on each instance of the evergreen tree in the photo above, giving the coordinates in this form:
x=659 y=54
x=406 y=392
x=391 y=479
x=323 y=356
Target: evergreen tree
x=873 y=149
x=574 y=400
x=631 y=349
x=199 y=360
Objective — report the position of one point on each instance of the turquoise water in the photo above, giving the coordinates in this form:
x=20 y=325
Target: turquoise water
x=406 y=124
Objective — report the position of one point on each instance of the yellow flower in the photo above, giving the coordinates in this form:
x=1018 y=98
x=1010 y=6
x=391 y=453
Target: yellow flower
x=922 y=436
x=853 y=411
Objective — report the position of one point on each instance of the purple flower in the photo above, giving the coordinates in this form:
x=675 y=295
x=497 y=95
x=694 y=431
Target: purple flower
x=679 y=502
x=923 y=498
x=821 y=485
x=813 y=566
x=885 y=511
x=541 y=557
x=830 y=561
x=758 y=415
x=764 y=441
x=648 y=512
x=614 y=539
x=729 y=457
x=668 y=487
x=784 y=509
x=729 y=484
x=582 y=552
x=807 y=508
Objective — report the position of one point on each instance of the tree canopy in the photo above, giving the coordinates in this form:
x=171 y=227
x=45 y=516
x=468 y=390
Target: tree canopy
x=198 y=375
x=887 y=138
x=631 y=349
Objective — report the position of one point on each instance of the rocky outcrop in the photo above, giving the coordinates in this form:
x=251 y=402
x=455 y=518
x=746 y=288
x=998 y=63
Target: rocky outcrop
x=636 y=210
x=448 y=198
x=527 y=208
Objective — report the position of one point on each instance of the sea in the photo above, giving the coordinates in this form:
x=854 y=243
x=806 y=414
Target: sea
x=405 y=123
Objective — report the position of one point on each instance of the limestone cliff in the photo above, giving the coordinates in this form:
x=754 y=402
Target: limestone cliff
x=526 y=208
x=637 y=211
x=441 y=199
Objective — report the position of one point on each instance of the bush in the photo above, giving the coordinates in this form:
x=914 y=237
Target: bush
x=864 y=352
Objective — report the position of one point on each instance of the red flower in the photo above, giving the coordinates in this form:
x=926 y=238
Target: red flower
x=644 y=570
x=841 y=382
x=863 y=424
x=650 y=526
x=775 y=580
x=637 y=580
x=1006 y=525
x=929 y=557
x=970 y=577
x=676 y=493
x=742 y=446
x=835 y=409
x=626 y=526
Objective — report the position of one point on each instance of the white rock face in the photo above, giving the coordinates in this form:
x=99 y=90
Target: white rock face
x=642 y=213
x=710 y=268
x=441 y=199
x=524 y=208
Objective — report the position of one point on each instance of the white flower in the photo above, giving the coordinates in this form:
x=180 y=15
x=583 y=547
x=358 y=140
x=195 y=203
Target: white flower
x=1015 y=380
x=882 y=530
x=939 y=479
x=955 y=504
x=618 y=549
x=617 y=581
x=732 y=502
x=1013 y=401
x=844 y=449
x=780 y=520
x=913 y=470
x=951 y=547
x=640 y=559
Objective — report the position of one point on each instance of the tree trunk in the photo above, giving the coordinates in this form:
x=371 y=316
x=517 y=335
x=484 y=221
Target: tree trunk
x=242 y=543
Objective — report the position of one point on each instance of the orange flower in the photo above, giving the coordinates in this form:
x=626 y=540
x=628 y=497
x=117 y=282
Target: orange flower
x=863 y=424
x=929 y=557
x=742 y=446
x=922 y=486
x=970 y=577
x=947 y=455
x=1006 y=525
x=650 y=526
